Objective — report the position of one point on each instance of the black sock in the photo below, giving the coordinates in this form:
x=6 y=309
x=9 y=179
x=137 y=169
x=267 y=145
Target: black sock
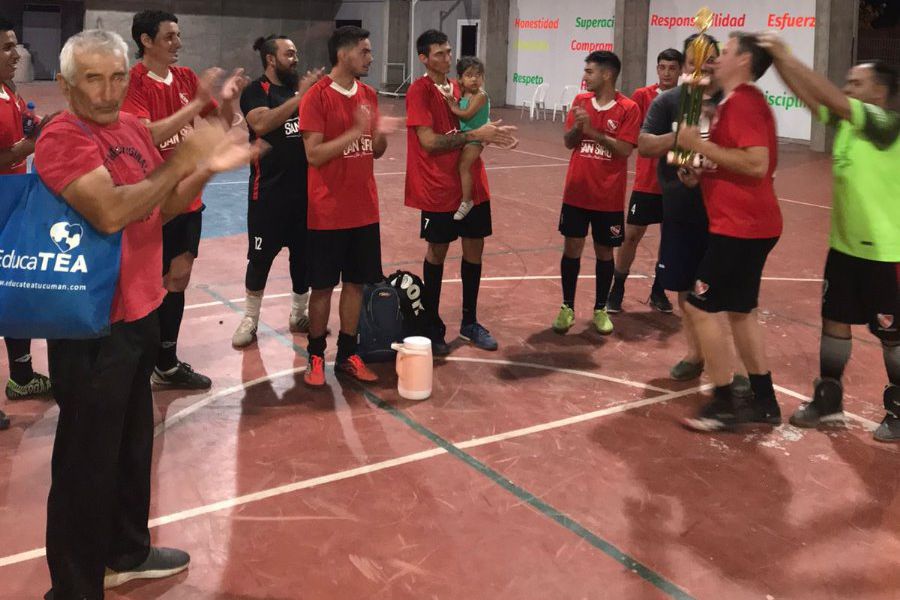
x=657 y=289
x=346 y=346
x=569 y=268
x=471 y=280
x=19 y=353
x=316 y=346
x=619 y=281
x=170 y=312
x=892 y=362
x=432 y=277
x=603 y=269
x=722 y=393
x=834 y=353
x=762 y=388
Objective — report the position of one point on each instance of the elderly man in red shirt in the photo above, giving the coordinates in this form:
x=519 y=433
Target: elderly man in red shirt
x=105 y=165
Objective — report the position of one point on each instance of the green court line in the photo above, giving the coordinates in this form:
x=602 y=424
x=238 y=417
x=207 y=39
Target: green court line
x=643 y=571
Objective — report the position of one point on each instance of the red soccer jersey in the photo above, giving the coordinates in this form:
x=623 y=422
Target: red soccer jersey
x=645 y=179
x=596 y=180
x=65 y=152
x=11 y=133
x=153 y=98
x=432 y=180
x=741 y=206
x=342 y=192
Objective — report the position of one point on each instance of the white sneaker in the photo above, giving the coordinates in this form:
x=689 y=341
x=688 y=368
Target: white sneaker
x=245 y=333
x=298 y=322
x=464 y=207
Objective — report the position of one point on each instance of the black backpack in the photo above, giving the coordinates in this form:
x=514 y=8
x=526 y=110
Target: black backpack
x=410 y=289
x=380 y=323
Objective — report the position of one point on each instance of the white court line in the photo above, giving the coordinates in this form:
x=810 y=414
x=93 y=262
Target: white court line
x=500 y=168
x=565 y=160
x=375 y=467
x=805 y=203
x=489 y=279
x=171 y=420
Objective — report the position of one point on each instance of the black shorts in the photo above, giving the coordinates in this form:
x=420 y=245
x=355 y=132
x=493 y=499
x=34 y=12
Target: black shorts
x=607 y=228
x=349 y=255
x=180 y=235
x=645 y=209
x=276 y=222
x=857 y=291
x=729 y=275
x=440 y=228
x=681 y=248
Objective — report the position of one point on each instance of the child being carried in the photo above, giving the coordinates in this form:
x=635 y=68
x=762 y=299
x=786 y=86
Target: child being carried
x=473 y=111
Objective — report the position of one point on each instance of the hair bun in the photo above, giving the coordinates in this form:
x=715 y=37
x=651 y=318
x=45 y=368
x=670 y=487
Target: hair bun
x=258 y=44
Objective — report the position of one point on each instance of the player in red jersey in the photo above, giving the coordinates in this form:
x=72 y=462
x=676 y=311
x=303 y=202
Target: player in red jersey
x=744 y=225
x=601 y=130
x=645 y=207
x=434 y=143
x=342 y=135
x=168 y=98
x=15 y=147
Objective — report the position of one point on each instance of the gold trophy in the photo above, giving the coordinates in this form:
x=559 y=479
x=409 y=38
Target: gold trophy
x=693 y=86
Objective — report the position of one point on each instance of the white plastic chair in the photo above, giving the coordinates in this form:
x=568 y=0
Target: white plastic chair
x=565 y=100
x=537 y=102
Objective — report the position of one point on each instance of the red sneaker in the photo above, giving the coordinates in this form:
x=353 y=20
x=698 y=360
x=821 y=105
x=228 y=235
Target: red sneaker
x=315 y=372
x=355 y=367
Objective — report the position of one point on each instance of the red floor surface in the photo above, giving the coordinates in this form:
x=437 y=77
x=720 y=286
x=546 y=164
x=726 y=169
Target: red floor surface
x=553 y=468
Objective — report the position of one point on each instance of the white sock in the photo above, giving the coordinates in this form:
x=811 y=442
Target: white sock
x=252 y=306
x=300 y=303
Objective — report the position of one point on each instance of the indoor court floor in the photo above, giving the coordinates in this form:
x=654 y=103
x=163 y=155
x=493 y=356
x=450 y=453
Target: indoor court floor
x=554 y=468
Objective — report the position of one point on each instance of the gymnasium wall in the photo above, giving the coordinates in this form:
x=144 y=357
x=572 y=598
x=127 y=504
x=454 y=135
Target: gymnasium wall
x=372 y=13
x=671 y=22
x=221 y=32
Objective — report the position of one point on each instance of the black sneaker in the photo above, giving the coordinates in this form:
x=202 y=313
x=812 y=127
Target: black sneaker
x=182 y=378
x=826 y=406
x=161 y=562
x=889 y=430
x=439 y=346
x=754 y=410
x=4 y=421
x=616 y=296
x=719 y=414
x=38 y=386
x=660 y=302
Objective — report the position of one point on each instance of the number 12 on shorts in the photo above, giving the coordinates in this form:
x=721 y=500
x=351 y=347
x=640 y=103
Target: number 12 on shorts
x=257 y=242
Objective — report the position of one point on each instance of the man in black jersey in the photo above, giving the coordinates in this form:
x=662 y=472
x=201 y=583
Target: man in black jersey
x=277 y=195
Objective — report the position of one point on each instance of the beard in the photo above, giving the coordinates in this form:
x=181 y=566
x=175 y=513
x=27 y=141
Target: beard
x=288 y=76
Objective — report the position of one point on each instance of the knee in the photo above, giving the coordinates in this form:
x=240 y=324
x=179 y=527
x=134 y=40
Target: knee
x=603 y=252
x=573 y=247
x=177 y=283
x=436 y=253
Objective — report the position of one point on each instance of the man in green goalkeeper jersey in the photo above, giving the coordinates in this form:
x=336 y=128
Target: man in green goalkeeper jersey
x=863 y=266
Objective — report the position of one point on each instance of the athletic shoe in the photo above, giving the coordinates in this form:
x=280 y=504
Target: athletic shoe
x=686 y=371
x=38 y=386
x=717 y=415
x=315 y=372
x=162 y=562
x=889 y=430
x=477 y=335
x=4 y=421
x=245 y=333
x=601 y=322
x=182 y=377
x=616 y=296
x=439 y=346
x=356 y=368
x=740 y=388
x=298 y=322
x=464 y=208
x=661 y=303
x=826 y=405
x=564 y=320
x=754 y=410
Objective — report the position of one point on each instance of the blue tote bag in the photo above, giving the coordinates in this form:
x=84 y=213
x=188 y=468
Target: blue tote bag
x=57 y=273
